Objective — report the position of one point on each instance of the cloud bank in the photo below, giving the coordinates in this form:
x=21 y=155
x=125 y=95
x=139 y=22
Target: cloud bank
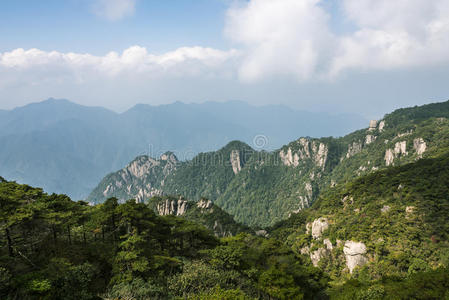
x=295 y=37
x=292 y=41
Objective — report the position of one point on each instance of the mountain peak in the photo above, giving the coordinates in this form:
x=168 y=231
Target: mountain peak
x=169 y=156
x=236 y=145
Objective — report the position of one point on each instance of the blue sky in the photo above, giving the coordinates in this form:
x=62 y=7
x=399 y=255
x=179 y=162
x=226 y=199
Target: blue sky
x=71 y=25
x=359 y=56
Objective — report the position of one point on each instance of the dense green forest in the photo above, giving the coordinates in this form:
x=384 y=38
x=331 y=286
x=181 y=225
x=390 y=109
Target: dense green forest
x=54 y=248
x=400 y=216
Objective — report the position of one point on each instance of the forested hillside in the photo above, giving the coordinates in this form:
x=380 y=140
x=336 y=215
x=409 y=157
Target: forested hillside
x=383 y=228
x=54 y=248
x=381 y=236
x=261 y=188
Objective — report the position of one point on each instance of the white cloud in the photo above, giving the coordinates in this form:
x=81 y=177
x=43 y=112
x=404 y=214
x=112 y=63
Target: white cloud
x=134 y=60
x=275 y=38
x=294 y=36
x=281 y=37
x=394 y=34
x=114 y=10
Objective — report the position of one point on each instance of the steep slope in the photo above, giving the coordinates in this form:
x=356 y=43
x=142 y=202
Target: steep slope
x=269 y=186
x=67 y=148
x=203 y=212
x=142 y=178
x=207 y=175
x=390 y=222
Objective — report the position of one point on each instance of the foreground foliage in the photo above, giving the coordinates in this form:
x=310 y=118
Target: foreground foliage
x=54 y=248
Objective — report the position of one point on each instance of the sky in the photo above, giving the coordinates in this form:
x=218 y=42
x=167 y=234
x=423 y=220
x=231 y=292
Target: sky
x=344 y=56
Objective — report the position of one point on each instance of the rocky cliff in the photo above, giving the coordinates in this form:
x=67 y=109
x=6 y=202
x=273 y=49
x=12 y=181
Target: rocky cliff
x=261 y=188
x=203 y=212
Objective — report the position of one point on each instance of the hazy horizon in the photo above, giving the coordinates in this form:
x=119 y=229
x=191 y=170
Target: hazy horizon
x=314 y=55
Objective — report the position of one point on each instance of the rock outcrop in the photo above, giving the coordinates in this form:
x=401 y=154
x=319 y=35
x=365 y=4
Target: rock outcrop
x=381 y=126
x=420 y=146
x=321 y=155
x=389 y=157
x=328 y=244
x=317 y=255
x=307 y=149
x=369 y=139
x=235 y=161
x=400 y=148
x=355 y=254
x=372 y=125
x=141 y=179
x=172 y=207
x=353 y=149
x=204 y=204
x=318 y=227
x=288 y=158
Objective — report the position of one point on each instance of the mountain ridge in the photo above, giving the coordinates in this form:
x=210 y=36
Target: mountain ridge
x=269 y=186
x=93 y=141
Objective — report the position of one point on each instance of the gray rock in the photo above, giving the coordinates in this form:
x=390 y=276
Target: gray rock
x=354 y=253
x=420 y=146
x=318 y=227
x=381 y=126
x=235 y=161
x=389 y=157
x=372 y=125
x=328 y=244
x=262 y=232
x=317 y=255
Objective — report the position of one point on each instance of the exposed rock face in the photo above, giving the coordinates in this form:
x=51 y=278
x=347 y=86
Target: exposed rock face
x=372 y=125
x=389 y=157
x=141 y=179
x=235 y=161
x=204 y=204
x=317 y=255
x=354 y=253
x=288 y=158
x=141 y=166
x=321 y=155
x=172 y=207
x=400 y=148
x=369 y=139
x=318 y=227
x=381 y=126
x=328 y=244
x=262 y=232
x=307 y=150
x=420 y=146
x=353 y=149
x=169 y=156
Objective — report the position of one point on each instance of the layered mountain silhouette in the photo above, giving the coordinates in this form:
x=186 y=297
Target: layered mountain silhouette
x=67 y=148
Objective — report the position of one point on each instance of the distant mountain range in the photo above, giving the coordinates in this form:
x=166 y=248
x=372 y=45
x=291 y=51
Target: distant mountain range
x=66 y=148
